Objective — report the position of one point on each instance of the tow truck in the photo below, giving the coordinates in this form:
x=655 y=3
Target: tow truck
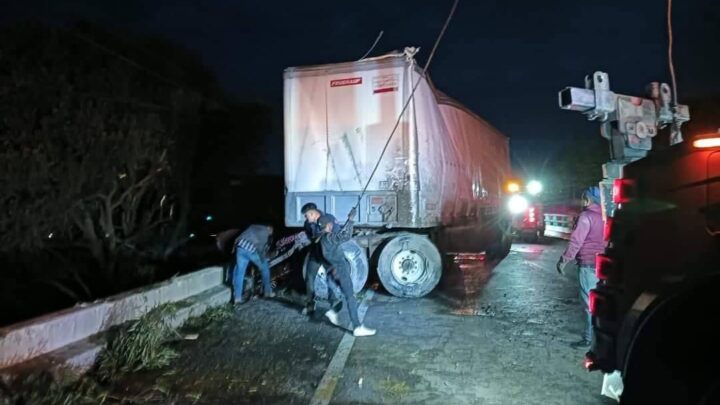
x=655 y=309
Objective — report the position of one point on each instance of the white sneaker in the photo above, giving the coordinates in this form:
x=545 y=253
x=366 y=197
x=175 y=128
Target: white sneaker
x=363 y=331
x=332 y=316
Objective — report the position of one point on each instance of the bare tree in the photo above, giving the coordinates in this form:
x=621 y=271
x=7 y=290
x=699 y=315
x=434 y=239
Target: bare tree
x=86 y=148
x=100 y=155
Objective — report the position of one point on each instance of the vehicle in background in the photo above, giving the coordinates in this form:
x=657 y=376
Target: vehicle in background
x=526 y=208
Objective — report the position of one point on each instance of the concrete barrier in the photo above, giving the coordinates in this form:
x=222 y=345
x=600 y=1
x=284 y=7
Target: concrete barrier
x=71 y=336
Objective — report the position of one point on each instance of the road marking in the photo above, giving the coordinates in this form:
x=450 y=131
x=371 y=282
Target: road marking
x=326 y=388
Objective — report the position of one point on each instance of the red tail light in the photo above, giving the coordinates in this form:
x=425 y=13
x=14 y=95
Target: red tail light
x=607 y=229
x=589 y=362
x=531 y=214
x=593 y=300
x=605 y=267
x=622 y=190
x=600 y=304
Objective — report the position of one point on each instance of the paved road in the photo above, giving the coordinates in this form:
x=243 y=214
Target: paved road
x=492 y=334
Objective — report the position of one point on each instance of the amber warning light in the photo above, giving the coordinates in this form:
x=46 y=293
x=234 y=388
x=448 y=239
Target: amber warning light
x=512 y=187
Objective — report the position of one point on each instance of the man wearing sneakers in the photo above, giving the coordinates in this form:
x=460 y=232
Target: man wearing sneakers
x=339 y=271
x=251 y=247
x=315 y=259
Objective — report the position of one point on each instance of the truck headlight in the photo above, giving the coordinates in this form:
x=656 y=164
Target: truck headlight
x=534 y=187
x=517 y=204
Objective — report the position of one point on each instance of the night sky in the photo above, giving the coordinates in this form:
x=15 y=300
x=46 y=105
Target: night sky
x=506 y=60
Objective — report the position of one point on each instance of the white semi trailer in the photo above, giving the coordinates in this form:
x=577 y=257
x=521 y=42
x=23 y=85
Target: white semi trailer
x=438 y=188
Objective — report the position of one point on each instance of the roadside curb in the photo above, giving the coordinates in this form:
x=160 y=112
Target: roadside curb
x=68 y=341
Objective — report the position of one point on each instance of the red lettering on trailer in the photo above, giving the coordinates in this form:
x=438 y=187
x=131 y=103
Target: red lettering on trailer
x=346 y=82
x=385 y=90
x=385 y=83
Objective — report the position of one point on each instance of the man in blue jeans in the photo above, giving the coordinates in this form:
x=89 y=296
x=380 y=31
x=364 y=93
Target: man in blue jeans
x=586 y=242
x=339 y=270
x=251 y=247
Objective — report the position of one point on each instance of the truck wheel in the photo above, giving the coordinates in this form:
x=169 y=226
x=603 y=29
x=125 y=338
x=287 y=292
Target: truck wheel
x=500 y=248
x=673 y=357
x=409 y=265
x=356 y=257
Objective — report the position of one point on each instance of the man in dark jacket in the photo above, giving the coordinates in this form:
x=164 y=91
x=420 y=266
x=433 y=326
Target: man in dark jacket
x=586 y=242
x=331 y=243
x=251 y=246
x=315 y=259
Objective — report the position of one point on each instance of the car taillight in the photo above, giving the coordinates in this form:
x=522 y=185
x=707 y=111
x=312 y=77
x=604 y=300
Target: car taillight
x=623 y=190
x=531 y=214
x=606 y=268
x=607 y=229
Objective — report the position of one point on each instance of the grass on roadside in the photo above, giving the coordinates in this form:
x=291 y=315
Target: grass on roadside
x=140 y=346
x=212 y=315
x=42 y=389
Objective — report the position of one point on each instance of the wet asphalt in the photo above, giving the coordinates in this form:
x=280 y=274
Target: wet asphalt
x=491 y=333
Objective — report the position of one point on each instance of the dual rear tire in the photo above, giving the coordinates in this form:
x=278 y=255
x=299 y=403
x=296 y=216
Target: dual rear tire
x=408 y=265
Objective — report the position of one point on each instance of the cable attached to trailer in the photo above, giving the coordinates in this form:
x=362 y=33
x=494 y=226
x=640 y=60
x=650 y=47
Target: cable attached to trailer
x=373 y=45
x=675 y=134
x=670 y=51
x=407 y=103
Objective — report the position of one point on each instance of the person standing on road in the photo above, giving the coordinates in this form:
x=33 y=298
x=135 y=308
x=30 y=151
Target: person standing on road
x=315 y=258
x=252 y=246
x=339 y=271
x=586 y=242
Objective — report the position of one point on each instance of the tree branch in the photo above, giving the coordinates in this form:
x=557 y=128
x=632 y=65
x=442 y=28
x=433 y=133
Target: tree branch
x=130 y=189
x=65 y=290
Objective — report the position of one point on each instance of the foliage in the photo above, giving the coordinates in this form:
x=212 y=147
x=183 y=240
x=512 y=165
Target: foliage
x=212 y=315
x=577 y=166
x=140 y=346
x=100 y=155
x=86 y=144
x=42 y=389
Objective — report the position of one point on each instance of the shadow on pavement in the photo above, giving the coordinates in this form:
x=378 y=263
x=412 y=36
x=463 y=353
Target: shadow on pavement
x=463 y=283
